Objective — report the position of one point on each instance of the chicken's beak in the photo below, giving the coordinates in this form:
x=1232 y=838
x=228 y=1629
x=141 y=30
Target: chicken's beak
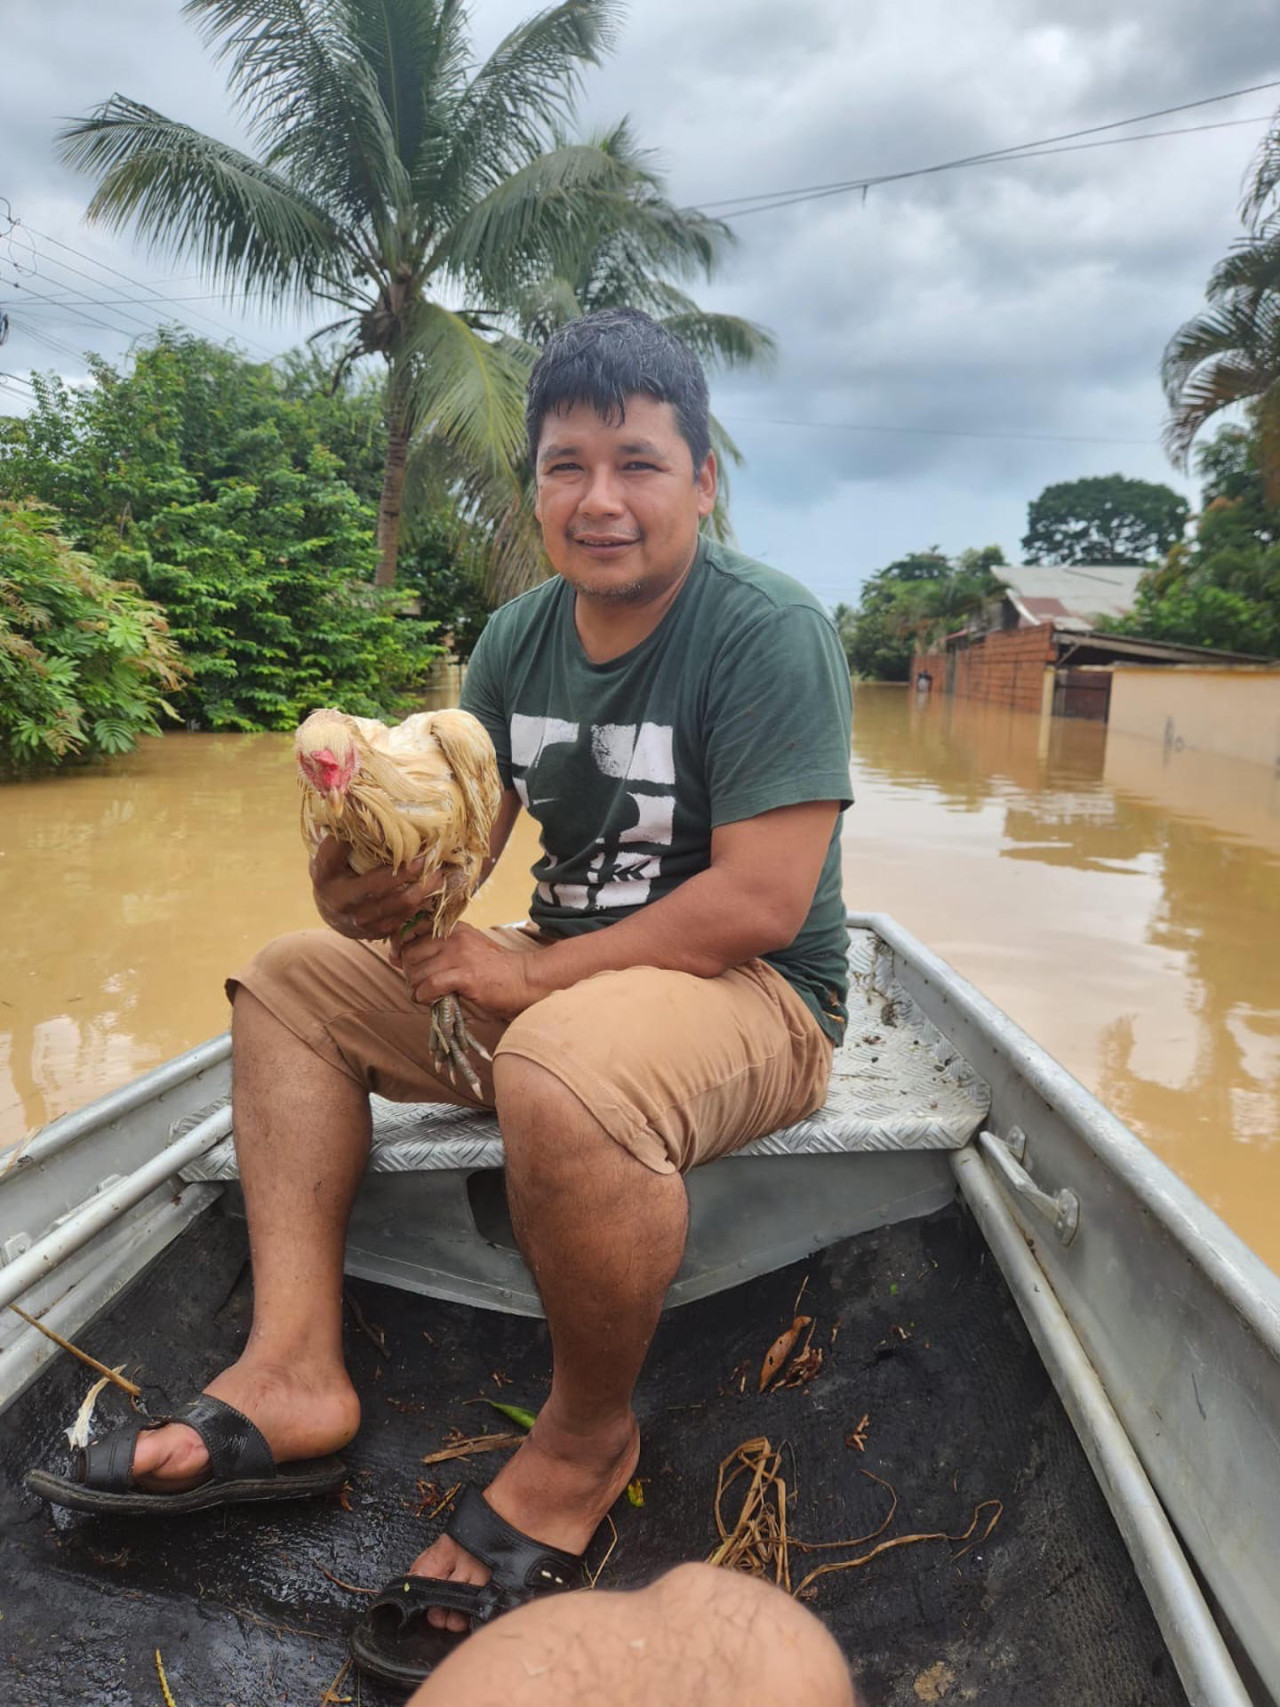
x=336 y=798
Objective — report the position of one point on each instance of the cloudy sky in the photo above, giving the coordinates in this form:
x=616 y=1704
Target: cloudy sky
x=948 y=344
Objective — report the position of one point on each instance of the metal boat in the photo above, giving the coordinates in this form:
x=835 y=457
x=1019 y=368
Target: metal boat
x=1125 y=1418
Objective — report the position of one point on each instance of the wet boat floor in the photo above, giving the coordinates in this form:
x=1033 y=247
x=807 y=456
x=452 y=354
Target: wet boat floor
x=920 y=1338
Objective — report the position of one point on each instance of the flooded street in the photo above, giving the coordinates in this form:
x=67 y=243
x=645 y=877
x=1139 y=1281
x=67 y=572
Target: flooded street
x=1120 y=902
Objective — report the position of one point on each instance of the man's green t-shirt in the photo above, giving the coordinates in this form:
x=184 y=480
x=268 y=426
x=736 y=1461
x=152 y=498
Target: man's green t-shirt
x=736 y=704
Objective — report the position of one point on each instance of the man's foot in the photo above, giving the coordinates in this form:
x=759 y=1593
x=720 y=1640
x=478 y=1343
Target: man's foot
x=301 y=1415
x=556 y=1489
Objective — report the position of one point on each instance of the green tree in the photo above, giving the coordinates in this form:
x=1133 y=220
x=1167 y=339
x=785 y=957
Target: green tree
x=394 y=177
x=85 y=661
x=1221 y=588
x=1104 y=519
x=1230 y=353
x=910 y=603
x=194 y=476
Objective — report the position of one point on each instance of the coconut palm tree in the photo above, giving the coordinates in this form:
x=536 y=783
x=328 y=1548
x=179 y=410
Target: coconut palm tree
x=393 y=177
x=1230 y=353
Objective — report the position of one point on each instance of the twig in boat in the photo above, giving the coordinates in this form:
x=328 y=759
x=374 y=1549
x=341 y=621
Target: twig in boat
x=130 y=1387
x=344 y=1498
x=907 y=1541
x=858 y=1437
x=376 y=1336
x=469 y=1448
x=778 y=1353
x=431 y=1502
x=608 y=1553
x=331 y=1698
x=164 y=1681
x=351 y=1588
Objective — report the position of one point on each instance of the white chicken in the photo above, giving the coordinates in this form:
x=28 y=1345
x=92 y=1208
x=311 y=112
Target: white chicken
x=428 y=786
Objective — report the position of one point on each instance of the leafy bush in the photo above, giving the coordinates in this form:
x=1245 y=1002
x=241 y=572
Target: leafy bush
x=197 y=476
x=84 y=660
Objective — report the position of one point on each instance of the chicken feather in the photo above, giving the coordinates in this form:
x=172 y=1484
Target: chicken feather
x=428 y=786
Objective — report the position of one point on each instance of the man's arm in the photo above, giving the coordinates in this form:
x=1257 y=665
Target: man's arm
x=752 y=899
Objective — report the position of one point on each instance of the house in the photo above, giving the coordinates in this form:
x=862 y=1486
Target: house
x=1037 y=648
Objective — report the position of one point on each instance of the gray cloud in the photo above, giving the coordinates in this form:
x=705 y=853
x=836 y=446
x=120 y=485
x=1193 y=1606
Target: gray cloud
x=1013 y=302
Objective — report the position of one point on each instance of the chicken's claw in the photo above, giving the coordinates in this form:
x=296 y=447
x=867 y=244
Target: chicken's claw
x=451 y=1040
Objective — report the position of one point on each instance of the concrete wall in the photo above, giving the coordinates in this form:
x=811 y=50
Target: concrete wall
x=1233 y=712
x=1002 y=668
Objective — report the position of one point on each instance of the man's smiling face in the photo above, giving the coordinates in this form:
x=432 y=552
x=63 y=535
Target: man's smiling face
x=619 y=501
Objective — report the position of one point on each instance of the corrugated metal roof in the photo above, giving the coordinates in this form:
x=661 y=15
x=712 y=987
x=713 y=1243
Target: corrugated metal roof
x=1080 y=589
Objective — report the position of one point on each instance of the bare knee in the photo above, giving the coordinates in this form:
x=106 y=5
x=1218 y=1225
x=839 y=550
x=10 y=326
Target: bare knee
x=776 y=1647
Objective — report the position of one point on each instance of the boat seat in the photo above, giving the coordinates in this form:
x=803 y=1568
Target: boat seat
x=896 y=1084
x=899 y=1091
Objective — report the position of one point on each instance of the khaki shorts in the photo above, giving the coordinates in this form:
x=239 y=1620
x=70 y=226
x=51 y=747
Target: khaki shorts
x=677 y=1069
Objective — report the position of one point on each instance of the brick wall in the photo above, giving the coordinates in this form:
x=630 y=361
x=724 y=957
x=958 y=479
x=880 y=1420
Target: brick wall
x=1001 y=668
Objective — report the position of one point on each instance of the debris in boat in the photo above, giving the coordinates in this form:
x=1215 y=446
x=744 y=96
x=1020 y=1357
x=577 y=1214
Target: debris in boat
x=635 y=1491
x=499 y=1379
x=933 y=1684
x=431 y=1502
x=164 y=1681
x=835 y=1329
x=130 y=1387
x=858 y=1437
x=376 y=1336
x=759 y=1542
x=468 y=1447
x=430 y=1338
x=351 y=1588
x=331 y=1698
x=515 y=1413
x=595 y=1576
x=893 y=1541
x=778 y=1353
x=344 y=1498
x=407 y=1407
x=117 y=1561
x=78 y=1433
x=904 y=1334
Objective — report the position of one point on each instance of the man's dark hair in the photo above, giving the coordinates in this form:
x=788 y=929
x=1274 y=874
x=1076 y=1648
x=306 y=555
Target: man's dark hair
x=603 y=359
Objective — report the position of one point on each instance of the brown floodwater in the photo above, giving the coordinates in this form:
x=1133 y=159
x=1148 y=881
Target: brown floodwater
x=1120 y=902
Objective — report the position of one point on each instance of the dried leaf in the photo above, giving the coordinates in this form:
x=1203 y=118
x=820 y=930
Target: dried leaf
x=515 y=1413
x=803 y=1369
x=781 y=1350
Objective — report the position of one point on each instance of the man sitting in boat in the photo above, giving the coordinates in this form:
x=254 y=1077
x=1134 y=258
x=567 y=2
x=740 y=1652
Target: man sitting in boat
x=676 y=717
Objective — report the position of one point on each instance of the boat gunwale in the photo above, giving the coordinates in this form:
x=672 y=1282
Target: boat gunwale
x=1248 y=1284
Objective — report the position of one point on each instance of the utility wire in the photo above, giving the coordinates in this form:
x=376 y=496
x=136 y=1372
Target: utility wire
x=930 y=432
x=138 y=284
x=846 y=185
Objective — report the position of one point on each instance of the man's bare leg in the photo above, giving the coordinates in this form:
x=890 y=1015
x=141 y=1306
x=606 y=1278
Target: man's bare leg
x=302 y=1136
x=699 y=1637
x=604 y=1236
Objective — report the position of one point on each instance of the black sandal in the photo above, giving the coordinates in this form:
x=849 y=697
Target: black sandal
x=394 y=1643
x=241 y=1468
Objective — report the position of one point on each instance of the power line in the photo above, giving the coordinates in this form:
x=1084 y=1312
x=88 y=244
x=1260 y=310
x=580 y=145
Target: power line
x=932 y=432
x=845 y=186
x=138 y=284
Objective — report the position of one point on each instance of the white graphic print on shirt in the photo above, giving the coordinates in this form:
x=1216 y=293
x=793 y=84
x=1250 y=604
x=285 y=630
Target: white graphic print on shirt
x=618 y=875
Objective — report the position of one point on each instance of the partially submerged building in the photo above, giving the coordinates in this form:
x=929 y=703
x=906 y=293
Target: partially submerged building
x=1037 y=648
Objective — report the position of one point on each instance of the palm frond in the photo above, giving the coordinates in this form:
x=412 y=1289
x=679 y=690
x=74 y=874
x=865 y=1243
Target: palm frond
x=524 y=90
x=190 y=195
x=531 y=222
x=723 y=340
x=300 y=75
x=462 y=387
x=1264 y=179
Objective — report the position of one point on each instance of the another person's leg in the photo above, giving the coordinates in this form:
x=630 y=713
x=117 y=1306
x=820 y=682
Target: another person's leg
x=318 y=1021
x=698 y=1637
x=606 y=1092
